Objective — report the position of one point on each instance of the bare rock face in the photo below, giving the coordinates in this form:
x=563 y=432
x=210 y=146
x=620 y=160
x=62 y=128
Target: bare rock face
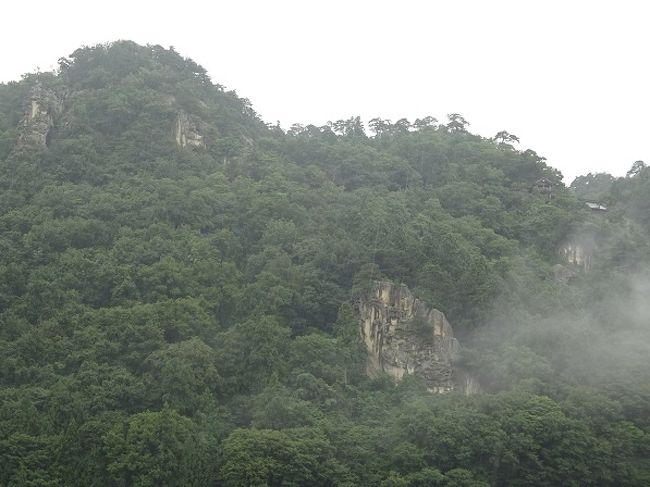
x=187 y=132
x=578 y=253
x=44 y=105
x=403 y=336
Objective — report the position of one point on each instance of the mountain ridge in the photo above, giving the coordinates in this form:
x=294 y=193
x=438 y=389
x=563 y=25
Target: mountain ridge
x=178 y=283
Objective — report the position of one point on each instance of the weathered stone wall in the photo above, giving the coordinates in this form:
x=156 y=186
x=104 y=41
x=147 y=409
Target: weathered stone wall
x=403 y=336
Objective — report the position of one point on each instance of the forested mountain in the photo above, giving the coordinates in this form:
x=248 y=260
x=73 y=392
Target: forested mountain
x=178 y=283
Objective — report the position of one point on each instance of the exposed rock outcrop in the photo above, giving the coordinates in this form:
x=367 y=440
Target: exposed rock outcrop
x=578 y=253
x=186 y=132
x=403 y=336
x=44 y=105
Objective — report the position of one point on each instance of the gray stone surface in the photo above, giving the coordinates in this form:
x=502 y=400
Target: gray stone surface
x=404 y=336
x=42 y=108
x=187 y=132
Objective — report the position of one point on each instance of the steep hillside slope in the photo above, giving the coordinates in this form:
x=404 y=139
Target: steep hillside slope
x=178 y=286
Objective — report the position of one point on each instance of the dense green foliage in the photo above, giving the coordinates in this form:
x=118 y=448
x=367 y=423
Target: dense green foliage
x=185 y=316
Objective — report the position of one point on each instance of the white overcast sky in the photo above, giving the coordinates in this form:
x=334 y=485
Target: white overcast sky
x=570 y=78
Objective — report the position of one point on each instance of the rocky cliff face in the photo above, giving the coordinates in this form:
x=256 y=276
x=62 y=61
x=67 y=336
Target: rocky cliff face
x=580 y=249
x=187 y=132
x=44 y=105
x=403 y=336
x=577 y=254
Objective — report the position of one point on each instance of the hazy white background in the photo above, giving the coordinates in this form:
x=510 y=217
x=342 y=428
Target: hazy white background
x=570 y=78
